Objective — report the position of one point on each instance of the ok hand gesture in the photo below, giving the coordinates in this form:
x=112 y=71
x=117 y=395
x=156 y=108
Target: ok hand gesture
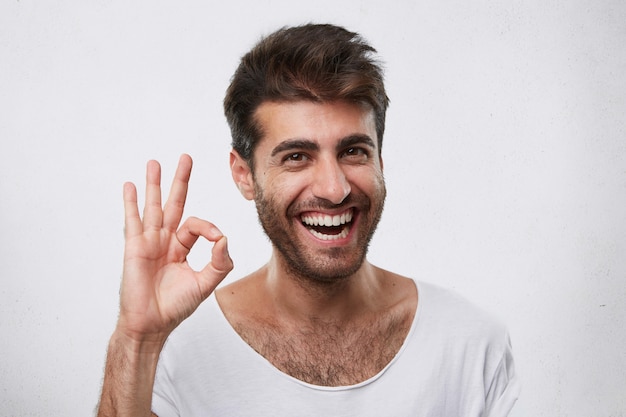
x=159 y=288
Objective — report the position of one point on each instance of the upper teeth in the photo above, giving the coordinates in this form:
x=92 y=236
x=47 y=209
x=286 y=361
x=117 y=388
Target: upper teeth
x=326 y=220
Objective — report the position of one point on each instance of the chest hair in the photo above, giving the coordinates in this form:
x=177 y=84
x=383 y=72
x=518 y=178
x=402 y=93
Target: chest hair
x=328 y=354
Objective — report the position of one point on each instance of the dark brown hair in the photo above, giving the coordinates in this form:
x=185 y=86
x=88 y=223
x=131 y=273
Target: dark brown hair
x=310 y=62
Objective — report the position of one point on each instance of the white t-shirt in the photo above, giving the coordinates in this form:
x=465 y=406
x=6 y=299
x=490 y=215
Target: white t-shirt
x=455 y=362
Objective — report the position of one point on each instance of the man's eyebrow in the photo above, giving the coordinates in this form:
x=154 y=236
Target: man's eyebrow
x=356 y=139
x=309 y=145
x=295 y=144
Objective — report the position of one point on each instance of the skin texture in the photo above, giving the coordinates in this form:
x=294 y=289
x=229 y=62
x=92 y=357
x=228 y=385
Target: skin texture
x=318 y=160
x=318 y=310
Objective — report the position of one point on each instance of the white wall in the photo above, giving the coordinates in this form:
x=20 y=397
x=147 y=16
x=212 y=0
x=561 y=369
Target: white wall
x=505 y=158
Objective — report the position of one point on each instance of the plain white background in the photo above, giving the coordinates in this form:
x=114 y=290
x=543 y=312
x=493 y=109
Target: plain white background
x=505 y=158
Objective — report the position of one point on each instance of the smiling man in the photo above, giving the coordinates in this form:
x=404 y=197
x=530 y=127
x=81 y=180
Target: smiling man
x=318 y=185
x=318 y=330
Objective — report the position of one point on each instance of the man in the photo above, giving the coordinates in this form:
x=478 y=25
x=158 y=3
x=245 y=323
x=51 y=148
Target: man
x=318 y=330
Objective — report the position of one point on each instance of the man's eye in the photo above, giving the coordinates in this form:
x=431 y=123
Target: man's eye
x=296 y=157
x=356 y=152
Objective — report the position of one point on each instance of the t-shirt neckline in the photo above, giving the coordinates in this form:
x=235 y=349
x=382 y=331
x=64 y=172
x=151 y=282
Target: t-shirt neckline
x=260 y=358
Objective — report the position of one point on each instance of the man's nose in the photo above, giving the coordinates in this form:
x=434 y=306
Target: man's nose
x=330 y=182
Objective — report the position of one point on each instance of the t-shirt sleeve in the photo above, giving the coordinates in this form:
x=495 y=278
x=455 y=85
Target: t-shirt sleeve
x=505 y=386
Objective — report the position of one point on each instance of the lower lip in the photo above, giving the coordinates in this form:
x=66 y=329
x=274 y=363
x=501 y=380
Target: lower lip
x=344 y=233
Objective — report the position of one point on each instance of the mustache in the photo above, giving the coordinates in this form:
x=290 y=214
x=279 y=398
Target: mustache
x=320 y=204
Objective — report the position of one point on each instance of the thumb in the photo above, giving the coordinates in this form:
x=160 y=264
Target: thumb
x=219 y=267
x=220 y=258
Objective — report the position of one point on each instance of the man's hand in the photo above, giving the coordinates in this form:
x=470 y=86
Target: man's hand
x=159 y=288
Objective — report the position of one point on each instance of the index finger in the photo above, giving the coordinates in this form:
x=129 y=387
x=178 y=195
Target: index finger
x=132 y=222
x=175 y=205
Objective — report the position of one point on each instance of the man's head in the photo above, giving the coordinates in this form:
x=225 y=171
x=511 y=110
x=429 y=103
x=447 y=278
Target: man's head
x=319 y=63
x=307 y=112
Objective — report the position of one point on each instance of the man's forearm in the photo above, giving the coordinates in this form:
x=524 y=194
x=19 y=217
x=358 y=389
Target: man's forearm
x=128 y=378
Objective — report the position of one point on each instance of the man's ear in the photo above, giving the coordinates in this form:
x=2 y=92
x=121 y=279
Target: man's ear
x=242 y=175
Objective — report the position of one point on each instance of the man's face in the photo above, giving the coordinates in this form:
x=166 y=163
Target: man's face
x=318 y=185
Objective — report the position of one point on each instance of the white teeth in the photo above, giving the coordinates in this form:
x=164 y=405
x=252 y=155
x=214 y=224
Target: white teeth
x=327 y=220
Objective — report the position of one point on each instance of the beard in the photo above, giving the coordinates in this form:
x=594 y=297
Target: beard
x=320 y=266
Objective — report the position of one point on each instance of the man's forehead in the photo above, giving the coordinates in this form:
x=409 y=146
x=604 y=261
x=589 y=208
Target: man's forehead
x=305 y=119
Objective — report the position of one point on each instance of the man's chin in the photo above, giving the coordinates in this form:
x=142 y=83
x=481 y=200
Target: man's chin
x=332 y=270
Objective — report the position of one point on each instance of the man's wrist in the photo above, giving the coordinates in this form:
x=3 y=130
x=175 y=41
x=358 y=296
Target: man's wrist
x=137 y=344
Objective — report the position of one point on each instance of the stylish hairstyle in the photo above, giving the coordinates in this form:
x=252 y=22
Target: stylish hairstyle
x=320 y=63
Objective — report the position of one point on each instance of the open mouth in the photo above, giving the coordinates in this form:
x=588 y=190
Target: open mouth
x=327 y=227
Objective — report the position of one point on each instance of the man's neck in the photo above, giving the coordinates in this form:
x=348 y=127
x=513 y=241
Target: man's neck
x=302 y=298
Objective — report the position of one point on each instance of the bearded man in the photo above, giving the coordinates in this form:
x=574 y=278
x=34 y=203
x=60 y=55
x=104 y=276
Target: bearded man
x=318 y=330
